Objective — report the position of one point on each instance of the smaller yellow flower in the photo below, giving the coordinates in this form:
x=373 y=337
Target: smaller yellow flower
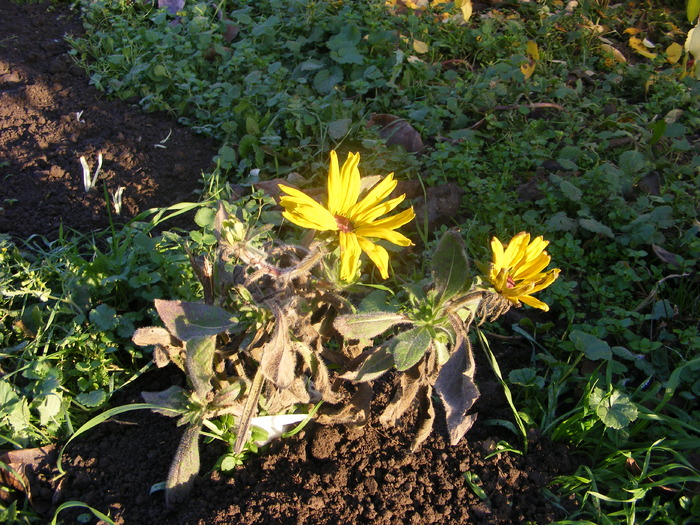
x=356 y=221
x=516 y=270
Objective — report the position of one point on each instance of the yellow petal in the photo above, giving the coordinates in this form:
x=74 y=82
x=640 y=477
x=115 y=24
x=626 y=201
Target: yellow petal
x=395 y=221
x=350 y=185
x=379 y=192
x=384 y=233
x=498 y=253
x=349 y=256
x=516 y=248
x=371 y=214
x=378 y=255
x=535 y=303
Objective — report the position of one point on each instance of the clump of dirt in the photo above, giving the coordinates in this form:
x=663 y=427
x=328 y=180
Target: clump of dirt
x=50 y=117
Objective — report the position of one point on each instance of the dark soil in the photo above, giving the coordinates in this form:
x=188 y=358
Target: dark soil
x=50 y=117
x=324 y=474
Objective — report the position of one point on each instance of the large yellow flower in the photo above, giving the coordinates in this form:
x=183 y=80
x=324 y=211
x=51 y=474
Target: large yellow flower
x=356 y=222
x=516 y=270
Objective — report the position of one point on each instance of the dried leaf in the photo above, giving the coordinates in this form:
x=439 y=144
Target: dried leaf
x=18 y=468
x=151 y=335
x=457 y=390
x=638 y=45
x=670 y=259
x=465 y=6
x=355 y=412
x=426 y=417
x=397 y=131
x=616 y=53
x=403 y=397
x=184 y=468
x=279 y=358
x=173 y=6
x=367 y=325
x=420 y=46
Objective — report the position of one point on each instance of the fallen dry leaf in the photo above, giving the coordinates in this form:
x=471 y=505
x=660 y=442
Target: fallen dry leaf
x=396 y=131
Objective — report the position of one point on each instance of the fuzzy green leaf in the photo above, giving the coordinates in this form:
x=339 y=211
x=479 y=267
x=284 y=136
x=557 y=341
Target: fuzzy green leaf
x=367 y=325
x=408 y=347
x=184 y=468
x=187 y=320
x=376 y=364
x=173 y=399
x=199 y=363
x=450 y=266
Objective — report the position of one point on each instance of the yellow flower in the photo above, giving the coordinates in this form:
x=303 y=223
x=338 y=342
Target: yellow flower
x=516 y=270
x=355 y=221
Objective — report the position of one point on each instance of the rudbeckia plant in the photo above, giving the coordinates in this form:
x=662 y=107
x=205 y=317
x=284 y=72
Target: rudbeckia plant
x=274 y=315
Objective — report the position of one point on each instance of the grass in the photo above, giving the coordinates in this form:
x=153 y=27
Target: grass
x=598 y=154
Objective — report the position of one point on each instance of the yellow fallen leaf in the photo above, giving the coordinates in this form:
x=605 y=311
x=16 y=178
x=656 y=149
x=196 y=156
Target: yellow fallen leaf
x=438 y=3
x=420 y=47
x=636 y=44
x=632 y=31
x=532 y=50
x=528 y=69
x=466 y=7
x=615 y=53
x=674 y=52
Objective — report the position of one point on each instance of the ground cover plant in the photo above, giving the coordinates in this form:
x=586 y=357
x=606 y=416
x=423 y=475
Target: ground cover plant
x=486 y=101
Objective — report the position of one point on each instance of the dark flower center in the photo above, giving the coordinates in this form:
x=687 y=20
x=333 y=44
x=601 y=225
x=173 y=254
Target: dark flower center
x=344 y=224
x=510 y=283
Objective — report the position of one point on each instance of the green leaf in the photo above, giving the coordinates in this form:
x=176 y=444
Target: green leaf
x=104 y=317
x=339 y=128
x=187 y=320
x=92 y=399
x=450 y=266
x=376 y=364
x=592 y=347
x=693 y=9
x=526 y=377
x=368 y=325
x=199 y=363
x=594 y=226
x=227 y=157
x=570 y=191
x=409 y=347
x=615 y=410
x=173 y=401
x=631 y=162
x=326 y=80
